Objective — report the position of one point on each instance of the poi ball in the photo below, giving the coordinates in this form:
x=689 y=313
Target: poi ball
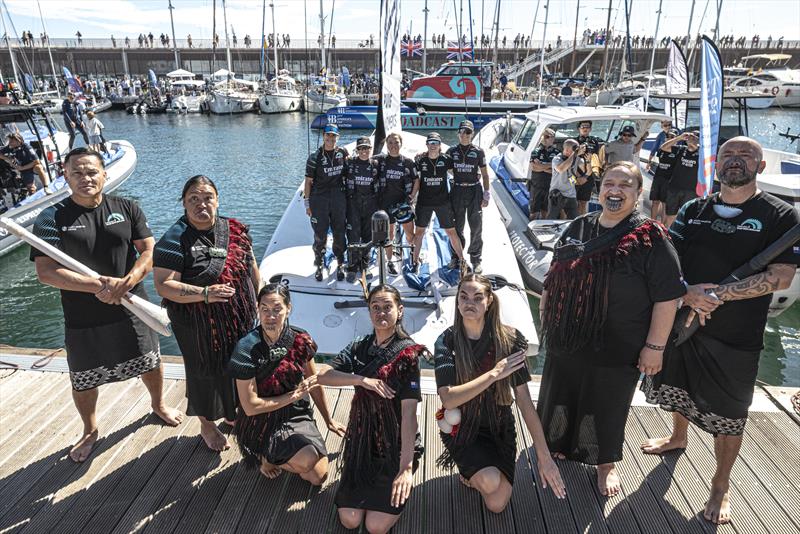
x=453 y=417
x=444 y=426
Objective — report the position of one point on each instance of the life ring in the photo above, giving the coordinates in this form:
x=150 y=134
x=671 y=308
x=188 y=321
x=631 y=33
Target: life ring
x=775 y=91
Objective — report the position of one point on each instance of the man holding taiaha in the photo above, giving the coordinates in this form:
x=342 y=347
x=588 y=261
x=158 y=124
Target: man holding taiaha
x=709 y=379
x=104 y=342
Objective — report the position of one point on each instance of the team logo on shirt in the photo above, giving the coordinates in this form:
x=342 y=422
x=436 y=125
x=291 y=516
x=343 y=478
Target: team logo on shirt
x=115 y=218
x=752 y=225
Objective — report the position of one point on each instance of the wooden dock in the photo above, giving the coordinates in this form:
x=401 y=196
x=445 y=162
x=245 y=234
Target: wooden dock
x=144 y=476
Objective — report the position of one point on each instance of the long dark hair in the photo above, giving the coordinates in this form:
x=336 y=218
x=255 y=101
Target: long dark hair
x=276 y=288
x=198 y=179
x=399 y=331
x=467 y=364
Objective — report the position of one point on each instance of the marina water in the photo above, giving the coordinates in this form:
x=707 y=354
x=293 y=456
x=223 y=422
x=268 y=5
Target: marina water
x=258 y=162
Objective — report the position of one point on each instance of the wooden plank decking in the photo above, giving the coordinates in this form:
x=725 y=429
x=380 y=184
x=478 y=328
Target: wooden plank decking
x=144 y=476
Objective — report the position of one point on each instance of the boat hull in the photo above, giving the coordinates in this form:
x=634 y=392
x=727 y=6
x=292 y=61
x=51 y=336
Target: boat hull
x=280 y=103
x=471 y=105
x=222 y=104
x=365 y=117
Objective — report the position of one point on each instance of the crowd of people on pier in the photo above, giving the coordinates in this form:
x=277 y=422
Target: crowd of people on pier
x=616 y=283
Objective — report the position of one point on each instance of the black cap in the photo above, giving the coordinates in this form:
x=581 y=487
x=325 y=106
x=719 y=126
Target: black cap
x=434 y=136
x=466 y=125
x=363 y=141
x=628 y=130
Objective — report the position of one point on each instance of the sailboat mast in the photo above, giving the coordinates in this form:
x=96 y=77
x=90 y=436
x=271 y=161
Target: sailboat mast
x=261 y=68
x=541 y=59
x=174 y=42
x=652 y=57
x=49 y=52
x=10 y=51
x=214 y=36
x=322 y=38
x=716 y=25
x=496 y=32
x=227 y=41
x=575 y=39
x=274 y=38
x=425 y=41
x=605 y=44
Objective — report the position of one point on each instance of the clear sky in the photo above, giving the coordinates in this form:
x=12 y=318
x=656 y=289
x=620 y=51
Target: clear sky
x=356 y=19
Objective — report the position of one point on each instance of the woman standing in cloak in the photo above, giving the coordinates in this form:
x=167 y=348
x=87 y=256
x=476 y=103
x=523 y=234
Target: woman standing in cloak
x=205 y=270
x=382 y=446
x=274 y=370
x=478 y=362
x=608 y=304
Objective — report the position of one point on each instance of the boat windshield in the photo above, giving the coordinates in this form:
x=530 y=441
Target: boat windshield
x=525 y=134
x=606 y=130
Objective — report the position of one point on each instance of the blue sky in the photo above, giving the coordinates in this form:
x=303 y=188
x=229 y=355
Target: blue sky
x=356 y=19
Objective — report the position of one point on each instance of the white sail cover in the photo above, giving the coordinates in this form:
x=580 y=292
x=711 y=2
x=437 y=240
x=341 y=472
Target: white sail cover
x=391 y=76
x=677 y=81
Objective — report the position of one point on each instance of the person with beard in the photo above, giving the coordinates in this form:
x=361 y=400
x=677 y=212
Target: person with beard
x=683 y=181
x=382 y=447
x=274 y=370
x=478 y=362
x=607 y=309
x=709 y=379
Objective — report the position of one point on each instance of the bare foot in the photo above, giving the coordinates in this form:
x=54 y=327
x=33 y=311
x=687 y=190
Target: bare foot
x=215 y=440
x=608 y=480
x=269 y=470
x=464 y=481
x=170 y=416
x=559 y=456
x=718 y=507
x=83 y=448
x=662 y=445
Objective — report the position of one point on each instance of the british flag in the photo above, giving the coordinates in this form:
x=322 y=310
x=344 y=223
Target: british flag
x=410 y=48
x=459 y=51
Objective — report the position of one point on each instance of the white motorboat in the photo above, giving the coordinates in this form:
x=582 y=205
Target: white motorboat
x=281 y=95
x=188 y=93
x=319 y=100
x=769 y=74
x=508 y=145
x=334 y=312
x=51 y=146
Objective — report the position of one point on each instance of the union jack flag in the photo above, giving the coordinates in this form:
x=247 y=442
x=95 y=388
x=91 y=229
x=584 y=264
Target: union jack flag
x=459 y=51
x=410 y=48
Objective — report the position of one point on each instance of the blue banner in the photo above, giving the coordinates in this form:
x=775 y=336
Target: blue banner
x=73 y=84
x=711 y=88
x=152 y=77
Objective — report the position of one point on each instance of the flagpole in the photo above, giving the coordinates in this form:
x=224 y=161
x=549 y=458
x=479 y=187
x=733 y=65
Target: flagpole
x=652 y=57
x=425 y=41
x=541 y=60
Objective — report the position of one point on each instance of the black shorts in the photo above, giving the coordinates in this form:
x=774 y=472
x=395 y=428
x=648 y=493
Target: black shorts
x=677 y=198
x=444 y=212
x=538 y=197
x=584 y=192
x=659 y=189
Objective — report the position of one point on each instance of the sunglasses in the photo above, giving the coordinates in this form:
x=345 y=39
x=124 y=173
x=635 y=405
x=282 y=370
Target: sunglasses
x=433 y=143
x=584 y=126
x=626 y=135
x=464 y=131
x=363 y=147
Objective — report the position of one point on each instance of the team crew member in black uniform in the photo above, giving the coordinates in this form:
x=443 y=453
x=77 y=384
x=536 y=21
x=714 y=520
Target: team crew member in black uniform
x=398 y=186
x=206 y=271
x=541 y=173
x=22 y=158
x=709 y=379
x=661 y=178
x=382 y=446
x=468 y=164
x=682 y=183
x=594 y=161
x=274 y=370
x=361 y=177
x=478 y=362
x=433 y=196
x=326 y=202
x=104 y=341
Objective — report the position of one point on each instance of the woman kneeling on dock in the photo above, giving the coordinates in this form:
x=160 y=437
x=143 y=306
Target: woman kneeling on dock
x=382 y=446
x=607 y=308
x=274 y=370
x=207 y=274
x=478 y=362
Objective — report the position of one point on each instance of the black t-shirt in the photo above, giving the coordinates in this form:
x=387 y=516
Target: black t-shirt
x=466 y=161
x=639 y=280
x=102 y=239
x=396 y=175
x=185 y=249
x=545 y=155
x=666 y=161
x=712 y=247
x=433 y=179
x=361 y=177
x=23 y=155
x=684 y=170
x=326 y=168
x=445 y=363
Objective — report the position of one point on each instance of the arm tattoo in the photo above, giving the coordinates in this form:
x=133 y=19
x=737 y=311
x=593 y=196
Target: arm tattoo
x=187 y=289
x=751 y=287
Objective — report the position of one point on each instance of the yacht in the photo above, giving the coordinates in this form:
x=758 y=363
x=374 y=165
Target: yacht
x=281 y=95
x=232 y=96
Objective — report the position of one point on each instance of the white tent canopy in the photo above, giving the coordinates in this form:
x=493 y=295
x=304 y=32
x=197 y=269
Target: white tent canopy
x=180 y=73
x=222 y=73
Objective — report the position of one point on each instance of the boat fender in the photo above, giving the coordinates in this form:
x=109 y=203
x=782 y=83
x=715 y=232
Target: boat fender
x=775 y=90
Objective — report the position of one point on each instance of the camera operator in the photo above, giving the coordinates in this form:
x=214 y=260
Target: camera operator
x=22 y=158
